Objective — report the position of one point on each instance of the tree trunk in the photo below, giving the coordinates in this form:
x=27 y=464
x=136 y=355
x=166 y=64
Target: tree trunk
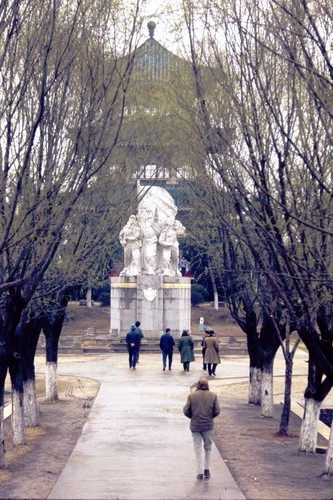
x=18 y=426
x=255 y=385
x=328 y=468
x=2 y=439
x=31 y=410
x=51 y=384
x=52 y=329
x=267 y=390
x=285 y=415
x=212 y=277
x=309 y=427
x=88 y=298
x=256 y=357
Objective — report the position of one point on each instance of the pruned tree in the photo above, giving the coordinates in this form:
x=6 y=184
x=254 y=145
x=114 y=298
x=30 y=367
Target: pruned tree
x=63 y=81
x=270 y=68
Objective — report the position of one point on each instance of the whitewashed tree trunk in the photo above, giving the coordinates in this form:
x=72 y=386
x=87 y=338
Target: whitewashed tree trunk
x=18 y=426
x=255 y=386
x=216 y=301
x=267 y=394
x=88 y=298
x=2 y=438
x=309 y=427
x=328 y=468
x=51 y=382
x=31 y=410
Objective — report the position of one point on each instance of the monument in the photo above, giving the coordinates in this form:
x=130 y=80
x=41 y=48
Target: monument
x=150 y=287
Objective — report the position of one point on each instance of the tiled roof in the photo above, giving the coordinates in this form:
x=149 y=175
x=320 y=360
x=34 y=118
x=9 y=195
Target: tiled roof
x=153 y=61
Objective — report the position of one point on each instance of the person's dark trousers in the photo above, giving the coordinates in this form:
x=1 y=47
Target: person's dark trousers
x=214 y=369
x=209 y=366
x=164 y=359
x=170 y=359
x=138 y=354
x=132 y=355
x=186 y=366
x=167 y=355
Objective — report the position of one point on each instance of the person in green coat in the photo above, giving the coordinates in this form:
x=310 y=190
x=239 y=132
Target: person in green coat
x=185 y=347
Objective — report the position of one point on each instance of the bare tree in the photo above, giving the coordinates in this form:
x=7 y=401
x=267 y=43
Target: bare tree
x=272 y=75
x=63 y=80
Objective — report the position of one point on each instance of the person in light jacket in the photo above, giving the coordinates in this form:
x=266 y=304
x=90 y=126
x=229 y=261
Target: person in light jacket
x=202 y=407
x=212 y=352
x=185 y=347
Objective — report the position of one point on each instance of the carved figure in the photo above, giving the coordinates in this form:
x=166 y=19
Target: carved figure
x=150 y=238
x=130 y=238
x=170 y=249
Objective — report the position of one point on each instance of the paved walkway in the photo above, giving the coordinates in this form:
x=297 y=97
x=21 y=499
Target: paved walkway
x=136 y=443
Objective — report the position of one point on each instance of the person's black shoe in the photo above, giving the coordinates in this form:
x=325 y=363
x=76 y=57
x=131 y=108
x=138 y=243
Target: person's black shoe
x=200 y=477
x=206 y=474
x=163 y=368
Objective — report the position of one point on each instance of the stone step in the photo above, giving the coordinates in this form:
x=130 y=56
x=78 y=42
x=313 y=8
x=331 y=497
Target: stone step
x=105 y=343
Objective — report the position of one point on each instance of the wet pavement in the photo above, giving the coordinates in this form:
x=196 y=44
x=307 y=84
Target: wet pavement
x=136 y=443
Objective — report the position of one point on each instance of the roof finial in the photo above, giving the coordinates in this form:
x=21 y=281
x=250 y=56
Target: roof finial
x=151 y=28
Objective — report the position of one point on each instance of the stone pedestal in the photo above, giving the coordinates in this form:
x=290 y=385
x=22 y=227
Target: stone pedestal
x=158 y=302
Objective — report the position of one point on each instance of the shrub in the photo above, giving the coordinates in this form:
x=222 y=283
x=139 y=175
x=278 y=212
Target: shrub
x=196 y=298
x=201 y=290
x=104 y=298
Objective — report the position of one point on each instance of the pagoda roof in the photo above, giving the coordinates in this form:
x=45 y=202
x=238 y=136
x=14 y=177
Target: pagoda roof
x=153 y=61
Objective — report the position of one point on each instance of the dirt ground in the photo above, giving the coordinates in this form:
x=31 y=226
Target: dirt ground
x=32 y=470
x=265 y=466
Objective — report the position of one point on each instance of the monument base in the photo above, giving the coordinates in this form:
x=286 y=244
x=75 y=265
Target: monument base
x=157 y=302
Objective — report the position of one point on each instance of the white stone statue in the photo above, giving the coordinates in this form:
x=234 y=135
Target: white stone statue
x=150 y=239
x=170 y=247
x=130 y=238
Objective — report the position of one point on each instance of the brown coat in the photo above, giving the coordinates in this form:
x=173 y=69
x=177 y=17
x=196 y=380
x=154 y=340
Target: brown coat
x=212 y=347
x=202 y=407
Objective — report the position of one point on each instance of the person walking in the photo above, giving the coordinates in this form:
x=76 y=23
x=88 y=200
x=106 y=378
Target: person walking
x=185 y=347
x=202 y=407
x=166 y=345
x=133 y=343
x=140 y=332
x=203 y=350
x=212 y=352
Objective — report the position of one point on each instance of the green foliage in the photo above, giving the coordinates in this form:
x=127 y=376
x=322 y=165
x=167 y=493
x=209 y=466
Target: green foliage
x=196 y=298
x=201 y=290
x=198 y=294
x=103 y=294
x=104 y=298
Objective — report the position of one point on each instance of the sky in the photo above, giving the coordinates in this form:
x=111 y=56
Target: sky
x=164 y=14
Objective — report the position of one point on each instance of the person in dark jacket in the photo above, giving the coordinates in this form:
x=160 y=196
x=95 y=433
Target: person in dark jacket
x=166 y=344
x=185 y=347
x=204 y=335
x=140 y=332
x=202 y=407
x=133 y=344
